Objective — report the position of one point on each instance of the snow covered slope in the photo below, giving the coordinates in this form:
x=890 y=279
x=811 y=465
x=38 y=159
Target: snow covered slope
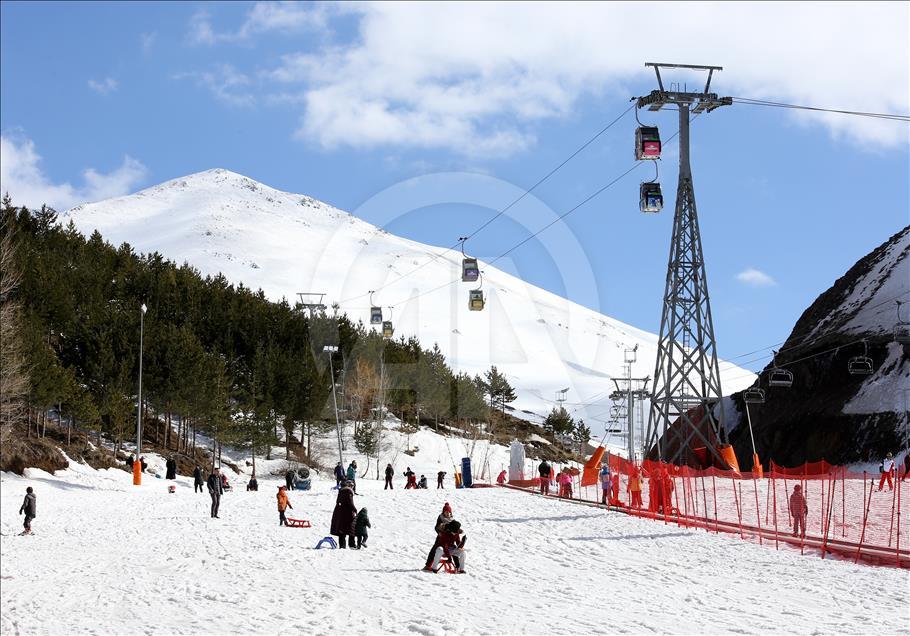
x=284 y=243
x=111 y=558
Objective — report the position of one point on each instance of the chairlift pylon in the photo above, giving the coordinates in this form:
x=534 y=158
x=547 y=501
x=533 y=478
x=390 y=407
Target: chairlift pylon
x=861 y=365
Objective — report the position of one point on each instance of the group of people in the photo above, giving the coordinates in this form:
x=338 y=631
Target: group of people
x=411 y=481
x=349 y=475
x=349 y=524
x=449 y=544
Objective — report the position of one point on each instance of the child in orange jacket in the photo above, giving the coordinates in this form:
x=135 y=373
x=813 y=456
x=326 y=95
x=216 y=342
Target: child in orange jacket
x=283 y=504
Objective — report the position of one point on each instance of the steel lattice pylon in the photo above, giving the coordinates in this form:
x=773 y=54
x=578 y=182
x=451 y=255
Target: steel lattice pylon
x=686 y=374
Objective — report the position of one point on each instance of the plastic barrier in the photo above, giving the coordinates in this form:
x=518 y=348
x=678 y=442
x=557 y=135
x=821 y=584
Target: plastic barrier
x=466 y=480
x=853 y=515
x=592 y=467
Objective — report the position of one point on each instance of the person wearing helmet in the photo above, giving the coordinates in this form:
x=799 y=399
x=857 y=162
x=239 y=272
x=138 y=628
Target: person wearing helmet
x=799 y=509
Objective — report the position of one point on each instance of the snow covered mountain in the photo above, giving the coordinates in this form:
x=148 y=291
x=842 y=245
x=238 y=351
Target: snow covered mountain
x=283 y=243
x=830 y=412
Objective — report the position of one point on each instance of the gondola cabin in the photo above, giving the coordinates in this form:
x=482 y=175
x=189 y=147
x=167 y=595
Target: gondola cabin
x=469 y=270
x=387 y=330
x=651 y=199
x=375 y=315
x=475 y=300
x=647 y=143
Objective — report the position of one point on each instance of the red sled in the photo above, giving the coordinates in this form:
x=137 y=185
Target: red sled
x=298 y=523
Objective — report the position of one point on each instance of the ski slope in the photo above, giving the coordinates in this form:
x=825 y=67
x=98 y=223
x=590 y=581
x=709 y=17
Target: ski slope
x=284 y=243
x=108 y=557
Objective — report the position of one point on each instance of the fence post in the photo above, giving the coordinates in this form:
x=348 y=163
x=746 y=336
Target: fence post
x=897 y=549
x=739 y=513
x=862 y=534
x=891 y=526
x=774 y=488
x=757 y=509
x=843 y=501
x=714 y=488
x=704 y=498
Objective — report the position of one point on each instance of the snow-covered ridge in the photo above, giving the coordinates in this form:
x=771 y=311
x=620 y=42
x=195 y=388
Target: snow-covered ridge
x=284 y=243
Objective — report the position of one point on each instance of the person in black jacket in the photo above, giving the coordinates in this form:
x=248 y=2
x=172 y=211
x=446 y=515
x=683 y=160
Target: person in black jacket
x=545 y=472
x=253 y=484
x=344 y=516
x=389 y=472
x=170 y=468
x=289 y=479
x=197 y=479
x=215 y=491
x=340 y=477
x=439 y=477
x=29 y=508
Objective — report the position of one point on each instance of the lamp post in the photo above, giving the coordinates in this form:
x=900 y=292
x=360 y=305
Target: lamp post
x=137 y=464
x=331 y=349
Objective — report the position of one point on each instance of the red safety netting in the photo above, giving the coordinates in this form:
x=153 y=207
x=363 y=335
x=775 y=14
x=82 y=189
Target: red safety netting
x=858 y=516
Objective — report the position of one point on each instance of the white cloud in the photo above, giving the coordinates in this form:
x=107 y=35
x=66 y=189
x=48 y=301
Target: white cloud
x=755 y=278
x=22 y=177
x=478 y=77
x=105 y=86
x=225 y=83
x=263 y=17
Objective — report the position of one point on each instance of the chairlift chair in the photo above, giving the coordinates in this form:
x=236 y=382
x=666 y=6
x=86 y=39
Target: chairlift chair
x=647 y=143
x=469 y=270
x=861 y=365
x=475 y=300
x=375 y=315
x=754 y=395
x=902 y=328
x=387 y=330
x=651 y=199
x=780 y=377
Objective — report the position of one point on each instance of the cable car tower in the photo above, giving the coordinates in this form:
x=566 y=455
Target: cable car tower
x=686 y=374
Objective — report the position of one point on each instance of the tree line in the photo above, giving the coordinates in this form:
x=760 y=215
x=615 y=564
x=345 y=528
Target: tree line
x=218 y=358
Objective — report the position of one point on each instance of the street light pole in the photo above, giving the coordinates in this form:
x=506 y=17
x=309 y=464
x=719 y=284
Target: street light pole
x=137 y=474
x=330 y=349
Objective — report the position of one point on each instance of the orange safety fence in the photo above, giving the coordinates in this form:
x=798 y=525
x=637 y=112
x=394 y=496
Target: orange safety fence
x=857 y=516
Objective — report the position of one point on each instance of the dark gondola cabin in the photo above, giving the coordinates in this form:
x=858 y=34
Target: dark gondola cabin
x=647 y=143
x=475 y=300
x=375 y=315
x=387 y=330
x=651 y=199
x=469 y=270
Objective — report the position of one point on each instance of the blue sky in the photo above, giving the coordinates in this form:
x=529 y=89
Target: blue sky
x=342 y=102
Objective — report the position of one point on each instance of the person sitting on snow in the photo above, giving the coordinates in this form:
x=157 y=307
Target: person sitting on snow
x=502 y=478
x=423 y=482
x=253 y=484
x=451 y=544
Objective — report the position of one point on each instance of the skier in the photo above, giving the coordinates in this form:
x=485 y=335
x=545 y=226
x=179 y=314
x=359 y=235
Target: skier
x=253 y=484
x=28 y=508
x=451 y=544
x=197 y=479
x=606 y=483
x=545 y=472
x=170 y=467
x=411 y=479
x=799 y=509
x=352 y=475
x=439 y=477
x=216 y=488
x=283 y=504
x=289 y=479
x=344 y=515
x=389 y=472
x=887 y=470
x=339 y=475
x=361 y=523
x=441 y=522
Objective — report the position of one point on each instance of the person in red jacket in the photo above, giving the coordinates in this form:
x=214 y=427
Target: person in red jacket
x=799 y=509
x=451 y=544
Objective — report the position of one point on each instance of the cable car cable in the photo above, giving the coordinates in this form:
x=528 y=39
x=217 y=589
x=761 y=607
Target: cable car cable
x=760 y=102
x=509 y=206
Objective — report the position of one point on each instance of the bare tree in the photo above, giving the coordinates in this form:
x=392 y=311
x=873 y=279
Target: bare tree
x=13 y=370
